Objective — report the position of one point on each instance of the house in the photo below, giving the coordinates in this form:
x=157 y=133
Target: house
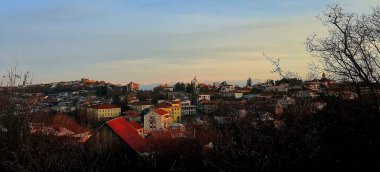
x=348 y=95
x=312 y=85
x=175 y=115
x=164 y=105
x=141 y=106
x=235 y=95
x=221 y=119
x=207 y=106
x=132 y=99
x=137 y=127
x=166 y=87
x=177 y=126
x=245 y=90
x=174 y=109
x=187 y=108
x=103 y=112
x=306 y=94
x=158 y=119
x=116 y=135
x=227 y=88
x=278 y=88
x=204 y=97
x=132 y=86
x=87 y=81
x=60 y=108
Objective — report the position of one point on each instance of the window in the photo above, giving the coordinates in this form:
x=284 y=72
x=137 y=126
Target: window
x=152 y=122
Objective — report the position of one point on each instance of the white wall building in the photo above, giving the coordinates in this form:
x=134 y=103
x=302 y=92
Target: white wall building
x=204 y=97
x=156 y=120
x=227 y=88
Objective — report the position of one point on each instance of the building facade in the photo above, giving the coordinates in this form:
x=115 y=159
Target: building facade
x=175 y=115
x=141 y=106
x=132 y=86
x=156 y=120
x=103 y=112
x=204 y=97
x=227 y=88
x=187 y=108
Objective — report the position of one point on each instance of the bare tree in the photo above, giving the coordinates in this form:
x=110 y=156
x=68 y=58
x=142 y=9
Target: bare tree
x=350 y=51
x=314 y=71
x=14 y=108
x=277 y=68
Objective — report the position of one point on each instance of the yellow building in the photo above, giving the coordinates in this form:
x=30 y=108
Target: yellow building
x=175 y=115
x=103 y=112
x=174 y=110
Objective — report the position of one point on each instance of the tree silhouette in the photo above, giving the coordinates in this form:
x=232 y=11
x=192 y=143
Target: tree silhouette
x=350 y=51
x=249 y=82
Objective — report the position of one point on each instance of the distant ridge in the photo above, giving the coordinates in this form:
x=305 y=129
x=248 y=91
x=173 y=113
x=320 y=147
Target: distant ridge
x=232 y=82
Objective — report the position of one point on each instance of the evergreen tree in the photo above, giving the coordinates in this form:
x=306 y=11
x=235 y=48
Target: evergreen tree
x=180 y=86
x=249 y=82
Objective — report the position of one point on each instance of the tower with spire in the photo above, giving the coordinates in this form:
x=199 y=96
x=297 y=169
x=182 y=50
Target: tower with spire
x=194 y=82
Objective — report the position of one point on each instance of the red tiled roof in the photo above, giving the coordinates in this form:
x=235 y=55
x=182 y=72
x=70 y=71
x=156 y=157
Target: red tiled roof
x=164 y=105
x=175 y=102
x=104 y=106
x=128 y=133
x=135 y=125
x=161 y=112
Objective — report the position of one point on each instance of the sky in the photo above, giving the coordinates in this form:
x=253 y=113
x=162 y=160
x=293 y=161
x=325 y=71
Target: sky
x=157 y=41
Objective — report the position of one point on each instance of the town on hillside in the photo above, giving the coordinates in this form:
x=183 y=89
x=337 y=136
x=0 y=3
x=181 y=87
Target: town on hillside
x=105 y=117
x=319 y=112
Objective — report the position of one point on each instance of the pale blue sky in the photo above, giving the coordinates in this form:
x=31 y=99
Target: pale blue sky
x=150 y=41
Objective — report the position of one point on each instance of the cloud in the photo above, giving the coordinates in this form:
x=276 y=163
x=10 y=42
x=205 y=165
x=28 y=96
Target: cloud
x=168 y=41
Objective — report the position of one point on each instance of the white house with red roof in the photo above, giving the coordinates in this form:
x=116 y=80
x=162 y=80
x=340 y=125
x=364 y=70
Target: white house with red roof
x=103 y=112
x=227 y=88
x=158 y=119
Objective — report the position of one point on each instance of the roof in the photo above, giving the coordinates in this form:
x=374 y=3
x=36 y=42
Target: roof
x=140 y=103
x=164 y=105
x=135 y=125
x=161 y=112
x=131 y=112
x=176 y=102
x=128 y=133
x=206 y=102
x=104 y=106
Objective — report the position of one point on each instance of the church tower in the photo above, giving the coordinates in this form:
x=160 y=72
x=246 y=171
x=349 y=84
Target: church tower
x=194 y=81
